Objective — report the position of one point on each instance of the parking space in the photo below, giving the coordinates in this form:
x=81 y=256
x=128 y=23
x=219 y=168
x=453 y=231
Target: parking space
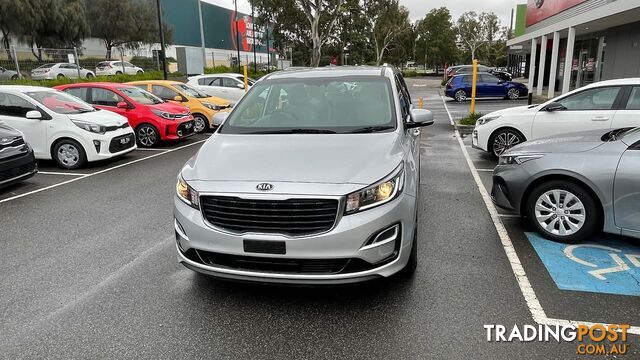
x=598 y=281
x=50 y=175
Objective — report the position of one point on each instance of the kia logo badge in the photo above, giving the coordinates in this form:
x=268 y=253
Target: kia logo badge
x=264 y=187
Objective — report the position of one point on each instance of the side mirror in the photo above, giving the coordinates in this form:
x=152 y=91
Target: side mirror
x=554 y=106
x=179 y=98
x=420 y=118
x=34 y=114
x=122 y=105
x=219 y=118
x=240 y=86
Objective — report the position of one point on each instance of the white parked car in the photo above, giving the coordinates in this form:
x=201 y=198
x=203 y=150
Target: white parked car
x=607 y=104
x=60 y=70
x=117 y=68
x=227 y=86
x=64 y=128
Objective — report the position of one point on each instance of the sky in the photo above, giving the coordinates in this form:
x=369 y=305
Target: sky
x=418 y=8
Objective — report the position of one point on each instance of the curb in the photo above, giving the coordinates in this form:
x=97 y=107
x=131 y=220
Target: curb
x=463 y=129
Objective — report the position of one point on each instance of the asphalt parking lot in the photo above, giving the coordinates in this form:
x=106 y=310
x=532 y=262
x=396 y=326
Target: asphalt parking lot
x=89 y=271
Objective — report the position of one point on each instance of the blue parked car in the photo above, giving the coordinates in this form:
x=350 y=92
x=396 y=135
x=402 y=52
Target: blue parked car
x=459 y=87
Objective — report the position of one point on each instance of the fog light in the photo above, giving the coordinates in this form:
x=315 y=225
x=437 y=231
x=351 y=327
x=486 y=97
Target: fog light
x=96 y=143
x=179 y=132
x=383 y=237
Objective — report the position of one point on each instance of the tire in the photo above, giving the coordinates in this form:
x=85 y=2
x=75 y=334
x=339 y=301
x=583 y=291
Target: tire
x=460 y=95
x=504 y=139
x=89 y=75
x=118 y=72
x=60 y=76
x=147 y=136
x=513 y=94
x=14 y=77
x=201 y=123
x=140 y=72
x=412 y=264
x=549 y=201
x=69 y=154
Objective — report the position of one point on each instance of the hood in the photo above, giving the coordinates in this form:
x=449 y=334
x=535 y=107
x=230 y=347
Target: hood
x=323 y=158
x=215 y=101
x=100 y=117
x=8 y=132
x=516 y=110
x=569 y=143
x=170 y=108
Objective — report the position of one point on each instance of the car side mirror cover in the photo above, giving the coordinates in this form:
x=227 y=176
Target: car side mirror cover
x=219 y=118
x=420 y=118
x=34 y=114
x=554 y=106
x=179 y=98
x=240 y=86
x=122 y=105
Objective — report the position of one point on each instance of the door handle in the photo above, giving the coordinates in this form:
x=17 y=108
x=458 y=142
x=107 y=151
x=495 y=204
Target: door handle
x=600 y=118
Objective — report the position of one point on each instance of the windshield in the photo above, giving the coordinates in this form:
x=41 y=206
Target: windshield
x=250 y=81
x=140 y=96
x=61 y=102
x=341 y=105
x=191 y=91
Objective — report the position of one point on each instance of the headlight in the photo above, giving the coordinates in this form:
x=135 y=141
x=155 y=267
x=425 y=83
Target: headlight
x=187 y=194
x=164 y=114
x=377 y=194
x=485 y=119
x=212 y=106
x=89 y=126
x=517 y=159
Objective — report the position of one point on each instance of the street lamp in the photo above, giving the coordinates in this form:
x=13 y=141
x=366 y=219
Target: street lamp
x=162 y=53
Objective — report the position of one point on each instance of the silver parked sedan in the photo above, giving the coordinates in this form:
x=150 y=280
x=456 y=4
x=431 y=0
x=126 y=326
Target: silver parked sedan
x=312 y=179
x=572 y=186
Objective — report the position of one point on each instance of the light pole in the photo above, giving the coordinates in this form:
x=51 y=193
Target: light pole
x=162 y=53
x=253 y=24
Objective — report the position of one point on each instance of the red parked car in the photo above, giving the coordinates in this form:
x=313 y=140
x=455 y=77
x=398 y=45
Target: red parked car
x=152 y=118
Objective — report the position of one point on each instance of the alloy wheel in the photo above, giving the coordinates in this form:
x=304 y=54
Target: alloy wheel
x=505 y=141
x=560 y=212
x=147 y=136
x=200 y=124
x=68 y=155
x=460 y=95
x=513 y=94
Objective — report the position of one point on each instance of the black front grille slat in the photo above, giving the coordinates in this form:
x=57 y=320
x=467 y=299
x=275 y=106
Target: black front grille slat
x=289 y=217
x=17 y=171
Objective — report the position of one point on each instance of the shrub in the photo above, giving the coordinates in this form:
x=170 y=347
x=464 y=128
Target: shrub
x=409 y=73
x=150 y=75
x=471 y=118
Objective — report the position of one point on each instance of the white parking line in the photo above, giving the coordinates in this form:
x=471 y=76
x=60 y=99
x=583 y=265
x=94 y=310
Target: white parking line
x=485 y=170
x=150 y=149
x=60 y=173
x=537 y=312
x=99 y=172
x=447 y=108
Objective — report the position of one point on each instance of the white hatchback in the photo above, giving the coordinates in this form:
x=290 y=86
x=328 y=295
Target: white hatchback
x=64 y=128
x=117 y=68
x=605 y=105
x=228 y=86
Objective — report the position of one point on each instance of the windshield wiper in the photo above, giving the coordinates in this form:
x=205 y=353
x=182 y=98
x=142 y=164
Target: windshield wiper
x=294 y=131
x=370 y=129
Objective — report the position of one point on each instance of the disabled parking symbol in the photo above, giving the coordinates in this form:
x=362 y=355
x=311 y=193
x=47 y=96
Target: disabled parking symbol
x=605 y=265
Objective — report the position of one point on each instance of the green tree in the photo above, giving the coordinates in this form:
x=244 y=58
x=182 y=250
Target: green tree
x=126 y=23
x=12 y=13
x=387 y=21
x=436 y=38
x=471 y=32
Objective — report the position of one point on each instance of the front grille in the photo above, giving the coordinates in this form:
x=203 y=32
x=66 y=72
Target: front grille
x=290 y=217
x=114 y=128
x=17 y=171
x=16 y=141
x=116 y=146
x=186 y=128
x=275 y=265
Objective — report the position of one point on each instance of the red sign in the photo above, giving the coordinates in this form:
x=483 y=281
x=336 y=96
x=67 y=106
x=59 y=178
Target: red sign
x=538 y=10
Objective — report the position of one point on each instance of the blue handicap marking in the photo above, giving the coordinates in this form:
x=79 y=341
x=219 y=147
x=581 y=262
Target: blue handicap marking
x=604 y=265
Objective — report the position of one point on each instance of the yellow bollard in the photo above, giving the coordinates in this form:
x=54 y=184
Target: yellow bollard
x=246 y=83
x=473 y=86
x=420 y=103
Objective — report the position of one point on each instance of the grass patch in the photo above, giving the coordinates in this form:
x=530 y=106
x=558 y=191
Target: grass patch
x=471 y=118
x=150 y=75
x=409 y=73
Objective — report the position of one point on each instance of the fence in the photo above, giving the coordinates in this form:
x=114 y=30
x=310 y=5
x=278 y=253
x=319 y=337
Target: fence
x=228 y=58
x=20 y=62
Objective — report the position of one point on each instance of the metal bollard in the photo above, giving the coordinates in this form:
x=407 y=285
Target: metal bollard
x=530 y=99
x=420 y=103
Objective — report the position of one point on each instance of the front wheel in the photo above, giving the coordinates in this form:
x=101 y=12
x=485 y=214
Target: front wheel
x=460 y=95
x=201 y=123
x=14 y=77
x=60 y=76
x=513 y=94
x=504 y=140
x=69 y=154
x=562 y=211
x=89 y=75
x=147 y=136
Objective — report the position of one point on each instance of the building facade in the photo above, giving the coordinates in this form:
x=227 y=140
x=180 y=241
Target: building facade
x=572 y=43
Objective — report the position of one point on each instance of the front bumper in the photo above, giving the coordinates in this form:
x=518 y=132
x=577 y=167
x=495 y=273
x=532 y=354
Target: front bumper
x=17 y=168
x=509 y=184
x=181 y=130
x=106 y=146
x=346 y=240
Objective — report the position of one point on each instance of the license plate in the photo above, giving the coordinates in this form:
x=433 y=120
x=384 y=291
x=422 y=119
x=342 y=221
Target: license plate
x=125 y=141
x=264 y=247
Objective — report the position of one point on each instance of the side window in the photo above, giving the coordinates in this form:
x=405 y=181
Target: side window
x=163 y=92
x=486 y=78
x=634 y=99
x=216 y=82
x=141 y=86
x=466 y=79
x=105 y=97
x=12 y=105
x=404 y=101
x=230 y=83
x=79 y=92
x=127 y=64
x=404 y=86
x=117 y=64
x=592 y=99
